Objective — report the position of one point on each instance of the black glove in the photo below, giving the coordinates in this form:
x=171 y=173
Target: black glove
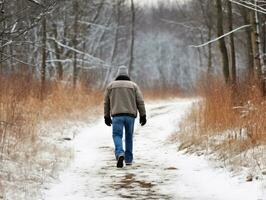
x=142 y=120
x=108 y=121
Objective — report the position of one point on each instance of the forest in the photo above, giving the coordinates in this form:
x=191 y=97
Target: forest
x=58 y=56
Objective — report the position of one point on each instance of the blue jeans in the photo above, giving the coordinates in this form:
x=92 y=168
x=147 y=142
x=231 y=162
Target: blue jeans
x=119 y=122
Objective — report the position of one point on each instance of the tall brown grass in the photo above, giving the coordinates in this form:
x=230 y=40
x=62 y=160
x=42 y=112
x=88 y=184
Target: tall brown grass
x=21 y=107
x=22 y=110
x=227 y=120
x=162 y=93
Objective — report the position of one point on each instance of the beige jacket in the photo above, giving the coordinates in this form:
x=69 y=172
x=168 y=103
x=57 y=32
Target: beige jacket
x=123 y=97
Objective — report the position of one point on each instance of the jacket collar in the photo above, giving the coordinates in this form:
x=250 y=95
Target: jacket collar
x=122 y=78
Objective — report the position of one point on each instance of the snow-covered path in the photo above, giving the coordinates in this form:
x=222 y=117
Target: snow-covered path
x=158 y=172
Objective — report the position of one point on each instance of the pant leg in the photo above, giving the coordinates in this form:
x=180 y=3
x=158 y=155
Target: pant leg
x=118 y=126
x=129 y=129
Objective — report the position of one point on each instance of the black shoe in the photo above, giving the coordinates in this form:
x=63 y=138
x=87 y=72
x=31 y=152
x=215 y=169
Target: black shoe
x=128 y=164
x=120 y=162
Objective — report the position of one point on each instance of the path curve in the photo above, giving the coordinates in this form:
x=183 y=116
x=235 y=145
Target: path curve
x=158 y=172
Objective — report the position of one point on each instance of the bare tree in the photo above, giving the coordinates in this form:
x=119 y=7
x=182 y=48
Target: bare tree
x=232 y=42
x=207 y=13
x=43 y=68
x=114 y=51
x=132 y=35
x=75 y=41
x=222 y=44
x=261 y=69
x=2 y=26
x=58 y=51
x=249 y=53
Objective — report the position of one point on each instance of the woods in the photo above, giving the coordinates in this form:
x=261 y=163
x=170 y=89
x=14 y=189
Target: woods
x=81 y=41
x=251 y=18
x=85 y=40
x=229 y=123
x=61 y=33
x=57 y=57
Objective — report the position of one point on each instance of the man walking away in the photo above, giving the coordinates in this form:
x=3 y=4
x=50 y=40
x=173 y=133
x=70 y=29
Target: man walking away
x=122 y=101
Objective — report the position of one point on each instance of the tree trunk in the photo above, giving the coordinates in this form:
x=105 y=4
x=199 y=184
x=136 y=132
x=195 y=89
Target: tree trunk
x=2 y=27
x=58 y=55
x=257 y=49
x=206 y=10
x=250 y=67
x=75 y=42
x=262 y=67
x=43 y=68
x=131 y=58
x=115 y=45
x=209 y=52
x=114 y=50
x=264 y=53
x=258 y=40
x=232 y=43
x=222 y=44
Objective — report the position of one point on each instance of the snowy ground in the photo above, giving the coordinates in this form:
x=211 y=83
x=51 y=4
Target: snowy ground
x=158 y=172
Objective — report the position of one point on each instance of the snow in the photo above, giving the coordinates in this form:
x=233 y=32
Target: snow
x=159 y=171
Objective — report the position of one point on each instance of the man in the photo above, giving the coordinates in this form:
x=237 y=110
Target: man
x=122 y=100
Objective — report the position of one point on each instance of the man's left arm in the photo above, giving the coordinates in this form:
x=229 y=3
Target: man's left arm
x=107 y=115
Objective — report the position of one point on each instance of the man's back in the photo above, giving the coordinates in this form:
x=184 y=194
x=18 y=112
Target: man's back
x=123 y=97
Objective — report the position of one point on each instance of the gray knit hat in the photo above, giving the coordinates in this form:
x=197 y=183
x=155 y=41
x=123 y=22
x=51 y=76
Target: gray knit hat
x=122 y=71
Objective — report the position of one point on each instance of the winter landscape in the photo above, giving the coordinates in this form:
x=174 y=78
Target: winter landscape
x=198 y=66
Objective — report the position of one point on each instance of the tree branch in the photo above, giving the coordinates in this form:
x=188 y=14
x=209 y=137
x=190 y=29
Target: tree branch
x=246 y=6
x=36 y=2
x=222 y=36
x=100 y=61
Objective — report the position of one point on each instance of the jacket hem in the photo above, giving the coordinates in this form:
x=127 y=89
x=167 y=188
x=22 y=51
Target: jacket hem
x=124 y=114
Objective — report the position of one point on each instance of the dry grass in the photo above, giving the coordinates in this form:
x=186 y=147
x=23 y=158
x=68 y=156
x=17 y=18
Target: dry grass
x=162 y=93
x=27 y=158
x=227 y=121
x=64 y=101
x=21 y=107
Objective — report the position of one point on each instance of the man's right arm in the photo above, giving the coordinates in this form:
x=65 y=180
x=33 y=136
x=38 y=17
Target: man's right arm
x=107 y=103
x=141 y=106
